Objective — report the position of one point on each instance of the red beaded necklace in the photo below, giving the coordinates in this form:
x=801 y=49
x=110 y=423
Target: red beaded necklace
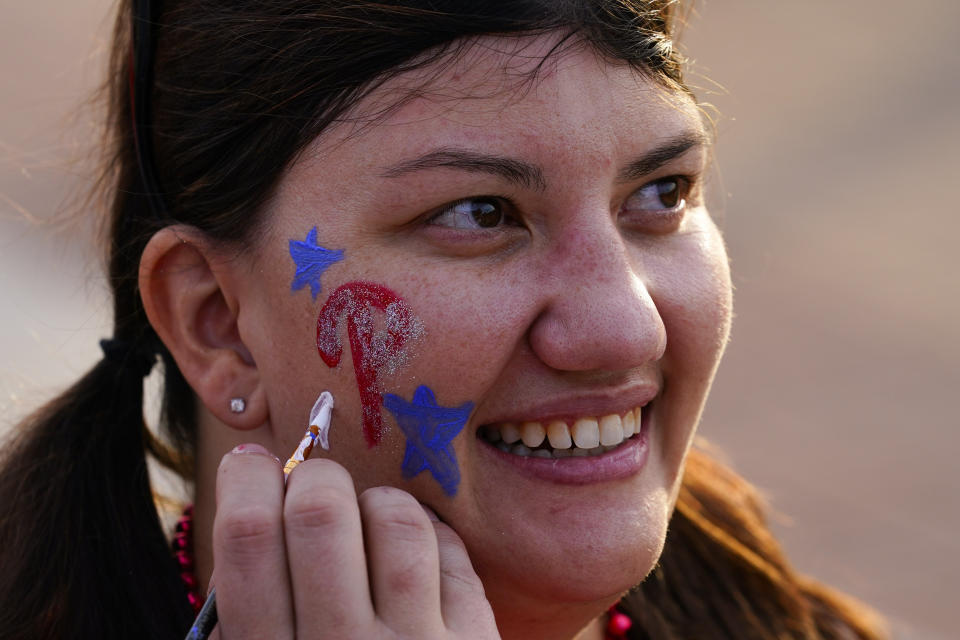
x=617 y=625
x=183 y=552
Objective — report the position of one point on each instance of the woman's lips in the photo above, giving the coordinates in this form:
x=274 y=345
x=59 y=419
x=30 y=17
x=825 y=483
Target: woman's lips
x=596 y=454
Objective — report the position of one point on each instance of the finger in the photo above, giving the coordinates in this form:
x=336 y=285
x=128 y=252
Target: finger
x=402 y=554
x=250 y=563
x=328 y=568
x=463 y=601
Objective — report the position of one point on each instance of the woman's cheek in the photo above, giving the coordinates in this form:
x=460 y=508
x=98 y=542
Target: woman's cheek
x=398 y=350
x=690 y=284
x=397 y=344
x=472 y=325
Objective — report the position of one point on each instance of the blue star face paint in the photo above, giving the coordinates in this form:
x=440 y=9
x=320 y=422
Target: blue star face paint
x=311 y=261
x=430 y=430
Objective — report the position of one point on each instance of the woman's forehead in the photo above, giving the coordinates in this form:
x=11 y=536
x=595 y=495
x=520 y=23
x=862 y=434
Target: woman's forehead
x=509 y=92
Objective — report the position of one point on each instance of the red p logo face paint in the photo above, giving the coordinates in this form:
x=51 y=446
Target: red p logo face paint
x=372 y=351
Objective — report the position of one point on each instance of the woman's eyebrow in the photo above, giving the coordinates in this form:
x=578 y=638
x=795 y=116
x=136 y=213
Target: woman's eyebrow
x=672 y=148
x=531 y=176
x=516 y=171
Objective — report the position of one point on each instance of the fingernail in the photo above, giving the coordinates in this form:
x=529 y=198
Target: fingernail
x=252 y=447
x=430 y=514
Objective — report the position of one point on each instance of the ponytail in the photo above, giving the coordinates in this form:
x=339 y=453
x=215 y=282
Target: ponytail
x=82 y=550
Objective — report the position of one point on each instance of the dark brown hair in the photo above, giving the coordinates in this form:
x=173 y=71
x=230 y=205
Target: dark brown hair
x=236 y=90
x=723 y=575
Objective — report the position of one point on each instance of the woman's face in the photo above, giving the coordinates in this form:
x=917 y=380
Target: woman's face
x=513 y=251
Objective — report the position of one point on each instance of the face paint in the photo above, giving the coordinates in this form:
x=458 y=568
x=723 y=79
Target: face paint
x=371 y=352
x=311 y=260
x=430 y=430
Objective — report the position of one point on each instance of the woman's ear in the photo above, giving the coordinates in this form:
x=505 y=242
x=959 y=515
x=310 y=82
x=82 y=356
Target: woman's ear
x=185 y=288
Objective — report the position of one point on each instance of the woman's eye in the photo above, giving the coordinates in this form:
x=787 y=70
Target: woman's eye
x=667 y=194
x=472 y=213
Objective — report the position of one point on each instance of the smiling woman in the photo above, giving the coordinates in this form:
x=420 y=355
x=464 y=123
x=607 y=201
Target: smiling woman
x=499 y=207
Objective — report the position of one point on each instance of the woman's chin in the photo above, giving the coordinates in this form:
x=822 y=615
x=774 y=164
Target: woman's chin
x=578 y=564
x=576 y=590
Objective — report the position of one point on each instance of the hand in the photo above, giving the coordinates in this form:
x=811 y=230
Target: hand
x=311 y=560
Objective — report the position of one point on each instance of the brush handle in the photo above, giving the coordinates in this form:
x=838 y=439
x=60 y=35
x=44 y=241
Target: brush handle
x=206 y=619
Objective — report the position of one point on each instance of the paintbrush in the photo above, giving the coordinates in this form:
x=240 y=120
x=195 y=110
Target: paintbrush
x=317 y=431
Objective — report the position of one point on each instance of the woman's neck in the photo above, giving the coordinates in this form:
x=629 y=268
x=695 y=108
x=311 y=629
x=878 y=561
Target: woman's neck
x=521 y=617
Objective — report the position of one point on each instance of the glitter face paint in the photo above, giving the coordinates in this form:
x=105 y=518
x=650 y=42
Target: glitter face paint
x=430 y=430
x=372 y=352
x=311 y=260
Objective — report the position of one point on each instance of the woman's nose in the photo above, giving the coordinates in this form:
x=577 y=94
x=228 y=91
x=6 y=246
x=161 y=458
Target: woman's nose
x=598 y=313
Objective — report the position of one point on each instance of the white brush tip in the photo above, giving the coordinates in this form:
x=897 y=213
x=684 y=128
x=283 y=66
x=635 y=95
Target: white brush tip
x=320 y=417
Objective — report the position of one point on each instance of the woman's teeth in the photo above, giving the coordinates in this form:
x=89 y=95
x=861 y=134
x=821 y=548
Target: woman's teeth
x=587 y=436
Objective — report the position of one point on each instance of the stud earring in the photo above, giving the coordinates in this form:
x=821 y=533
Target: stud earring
x=237 y=405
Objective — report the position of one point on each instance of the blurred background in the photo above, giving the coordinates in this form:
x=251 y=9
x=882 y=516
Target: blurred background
x=838 y=163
